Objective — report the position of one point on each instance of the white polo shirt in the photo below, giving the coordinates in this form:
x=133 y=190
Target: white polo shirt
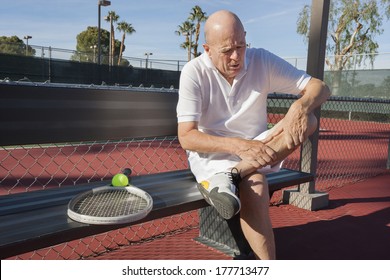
x=239 y=110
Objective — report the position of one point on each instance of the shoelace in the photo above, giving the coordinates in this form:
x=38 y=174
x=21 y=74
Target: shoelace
x=235 y=177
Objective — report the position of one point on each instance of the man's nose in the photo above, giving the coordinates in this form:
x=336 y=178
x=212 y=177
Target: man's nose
x=234 y=55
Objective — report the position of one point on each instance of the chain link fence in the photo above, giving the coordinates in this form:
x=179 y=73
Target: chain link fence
x=35 y=167
x=353 y=145
x=366 y=61
x=91 y=56
x=354 y=140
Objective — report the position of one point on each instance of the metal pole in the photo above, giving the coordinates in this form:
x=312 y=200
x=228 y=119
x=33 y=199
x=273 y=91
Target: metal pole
x=388 y=155
x=110 y=59
x=99 y=47
x=26 y=46
x=110 y=47
x=26 y=38
x=147 y=59
x=315 y=68
x=50 y=64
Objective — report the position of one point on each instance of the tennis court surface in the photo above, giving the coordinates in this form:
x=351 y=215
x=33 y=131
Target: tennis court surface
x=356 y=225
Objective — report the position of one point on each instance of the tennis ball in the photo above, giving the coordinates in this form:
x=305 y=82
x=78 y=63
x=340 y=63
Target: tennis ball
x=120 y=180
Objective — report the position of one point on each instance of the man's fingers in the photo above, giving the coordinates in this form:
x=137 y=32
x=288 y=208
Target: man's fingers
x=275 y=132
x=266 y=157
x=296 y=140
x=271 y=153
x=267 y=139
x=289 y=141
x=304 y=135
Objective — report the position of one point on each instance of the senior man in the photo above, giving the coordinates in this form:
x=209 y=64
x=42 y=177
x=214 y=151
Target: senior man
x=222 y=124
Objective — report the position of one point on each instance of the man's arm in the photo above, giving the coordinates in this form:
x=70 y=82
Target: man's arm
x=296 y=123
x=295 y=127
x=254 y=152
x=287 y=135
x=194 y=140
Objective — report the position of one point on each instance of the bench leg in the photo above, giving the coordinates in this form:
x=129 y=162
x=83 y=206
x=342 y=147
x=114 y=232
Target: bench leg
x=223 y=235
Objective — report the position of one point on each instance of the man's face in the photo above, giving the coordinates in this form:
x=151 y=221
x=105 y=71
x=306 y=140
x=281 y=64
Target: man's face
x=227 y=52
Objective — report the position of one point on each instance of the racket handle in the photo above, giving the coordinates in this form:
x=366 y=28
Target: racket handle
x=127 y=172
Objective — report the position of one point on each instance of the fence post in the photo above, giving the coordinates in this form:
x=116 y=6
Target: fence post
x=50 y=64
x=306 y=196
x=388 y=155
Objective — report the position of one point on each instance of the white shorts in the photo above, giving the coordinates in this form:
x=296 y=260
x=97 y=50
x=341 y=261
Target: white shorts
x=203 y=166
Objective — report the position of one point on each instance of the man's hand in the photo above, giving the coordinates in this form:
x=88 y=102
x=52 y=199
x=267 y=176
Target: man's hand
x=300 y=121
x=294 y=127
x=256 y=153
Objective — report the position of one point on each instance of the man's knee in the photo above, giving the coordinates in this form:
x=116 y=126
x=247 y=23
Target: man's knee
x=254 y=184
x=312 y=124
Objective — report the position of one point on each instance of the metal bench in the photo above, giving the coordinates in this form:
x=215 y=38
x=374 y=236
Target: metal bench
x=38 y=219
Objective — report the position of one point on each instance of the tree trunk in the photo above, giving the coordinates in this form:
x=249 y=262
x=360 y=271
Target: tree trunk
x=112 y=45
x=189 y=47
x=121 y=49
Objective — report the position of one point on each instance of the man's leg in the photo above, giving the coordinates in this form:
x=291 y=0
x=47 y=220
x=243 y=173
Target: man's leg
x=254 y=195
x=220 y=189
x=254 y=215
x=279 y=146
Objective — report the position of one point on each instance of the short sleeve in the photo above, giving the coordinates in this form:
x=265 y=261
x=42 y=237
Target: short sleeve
x=190 y=101
x=284 y=77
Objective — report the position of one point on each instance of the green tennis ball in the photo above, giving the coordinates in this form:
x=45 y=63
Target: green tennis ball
x=120 y=180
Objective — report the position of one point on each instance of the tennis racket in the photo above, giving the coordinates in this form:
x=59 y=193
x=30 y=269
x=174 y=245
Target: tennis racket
x=109 y=205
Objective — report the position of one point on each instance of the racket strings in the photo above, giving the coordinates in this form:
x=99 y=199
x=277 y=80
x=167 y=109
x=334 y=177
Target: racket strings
x=110 y=204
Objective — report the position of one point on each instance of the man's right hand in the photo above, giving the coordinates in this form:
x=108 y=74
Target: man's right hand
x=256 y=153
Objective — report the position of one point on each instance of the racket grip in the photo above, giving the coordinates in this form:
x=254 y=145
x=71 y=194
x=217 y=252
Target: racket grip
x=127 y=172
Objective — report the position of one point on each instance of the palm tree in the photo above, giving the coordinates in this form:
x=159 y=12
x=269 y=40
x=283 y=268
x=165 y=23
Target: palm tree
x=198 y=16
x=111 y=18
x=187 y=28
x=126 y=28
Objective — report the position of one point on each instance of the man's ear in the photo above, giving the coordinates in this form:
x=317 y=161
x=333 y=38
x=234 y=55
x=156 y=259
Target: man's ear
x=206 y=49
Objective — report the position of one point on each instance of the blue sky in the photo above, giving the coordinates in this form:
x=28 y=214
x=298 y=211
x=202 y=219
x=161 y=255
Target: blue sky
x=56 y=23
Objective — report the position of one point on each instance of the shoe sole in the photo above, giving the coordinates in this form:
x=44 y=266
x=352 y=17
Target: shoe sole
x=225 y=204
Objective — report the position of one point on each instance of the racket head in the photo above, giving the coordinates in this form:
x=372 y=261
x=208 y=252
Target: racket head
x=109 y=205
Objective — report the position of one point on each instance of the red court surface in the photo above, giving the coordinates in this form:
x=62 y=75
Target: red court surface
x=356 y=225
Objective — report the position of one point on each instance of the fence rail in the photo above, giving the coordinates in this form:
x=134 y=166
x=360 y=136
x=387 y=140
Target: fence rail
x=369 y=61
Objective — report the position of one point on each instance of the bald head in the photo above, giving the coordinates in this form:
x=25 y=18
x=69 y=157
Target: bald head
x=222 y=23
x=225 y=43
